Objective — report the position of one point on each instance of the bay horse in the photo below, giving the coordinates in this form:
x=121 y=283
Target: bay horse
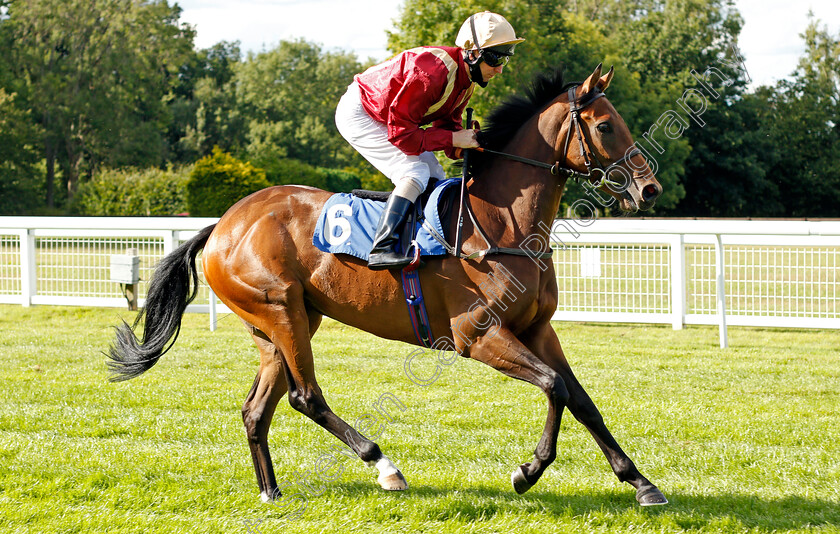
x=259 y=260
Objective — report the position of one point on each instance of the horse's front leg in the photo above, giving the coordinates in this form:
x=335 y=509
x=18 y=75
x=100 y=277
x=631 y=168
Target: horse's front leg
x=545 y=343
x=502 y=351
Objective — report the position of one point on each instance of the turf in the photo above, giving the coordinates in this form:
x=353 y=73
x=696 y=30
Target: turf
x=740 y=440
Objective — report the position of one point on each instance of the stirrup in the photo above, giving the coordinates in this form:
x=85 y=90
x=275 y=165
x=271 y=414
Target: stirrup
x=387 y=260
x=416 y=262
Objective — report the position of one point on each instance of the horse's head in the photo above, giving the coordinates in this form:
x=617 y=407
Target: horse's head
x=594 y=141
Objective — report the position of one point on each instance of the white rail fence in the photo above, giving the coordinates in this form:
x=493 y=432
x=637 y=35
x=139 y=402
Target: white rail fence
x=774 y=273
x=66 y=260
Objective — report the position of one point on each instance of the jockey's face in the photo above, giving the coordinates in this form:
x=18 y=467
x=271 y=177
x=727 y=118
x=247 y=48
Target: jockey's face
x=488 y=72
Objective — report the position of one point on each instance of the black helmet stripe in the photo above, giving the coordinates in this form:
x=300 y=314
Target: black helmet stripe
x=475 y=36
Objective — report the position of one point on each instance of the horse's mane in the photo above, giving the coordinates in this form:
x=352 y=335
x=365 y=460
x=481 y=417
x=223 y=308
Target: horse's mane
x=509 y=116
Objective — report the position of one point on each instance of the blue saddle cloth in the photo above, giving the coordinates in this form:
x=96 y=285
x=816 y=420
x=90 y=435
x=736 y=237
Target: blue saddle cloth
x=347 y=224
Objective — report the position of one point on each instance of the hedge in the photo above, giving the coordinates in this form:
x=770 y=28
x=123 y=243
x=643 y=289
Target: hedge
x=220 y=180
x=206 y=189
x=286 y=171
x=132 y=192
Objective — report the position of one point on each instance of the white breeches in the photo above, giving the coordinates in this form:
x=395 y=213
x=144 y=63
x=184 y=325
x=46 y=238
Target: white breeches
x=370 y=139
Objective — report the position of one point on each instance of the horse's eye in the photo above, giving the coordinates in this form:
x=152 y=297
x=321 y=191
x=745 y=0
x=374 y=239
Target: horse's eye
x=604 y=127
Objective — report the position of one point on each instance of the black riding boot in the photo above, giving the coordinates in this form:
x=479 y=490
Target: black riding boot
x=383 y=255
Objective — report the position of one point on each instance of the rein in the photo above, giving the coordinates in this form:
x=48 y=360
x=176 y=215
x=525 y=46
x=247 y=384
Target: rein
x=554 y=169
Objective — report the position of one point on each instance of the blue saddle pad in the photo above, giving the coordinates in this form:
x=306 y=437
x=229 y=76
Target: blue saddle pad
x=347 y=224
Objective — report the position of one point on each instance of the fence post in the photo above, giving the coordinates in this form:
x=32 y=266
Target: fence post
x=28 y=267
x=131 y=292
x=212 y=303
x=170 y=242
x=721 y=290
x=678 y=282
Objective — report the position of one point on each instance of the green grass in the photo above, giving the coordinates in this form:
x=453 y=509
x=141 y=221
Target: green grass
x=740 y=440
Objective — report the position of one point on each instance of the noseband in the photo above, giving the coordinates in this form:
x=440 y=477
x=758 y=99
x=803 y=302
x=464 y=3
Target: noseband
x=575 y=107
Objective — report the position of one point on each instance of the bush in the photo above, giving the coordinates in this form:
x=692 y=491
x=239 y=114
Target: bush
x=139 y=193
x=376 y=182
x=339 y=181
x=288 y=171
x=220 y=180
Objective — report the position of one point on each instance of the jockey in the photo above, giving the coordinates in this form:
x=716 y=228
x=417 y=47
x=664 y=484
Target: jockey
x=384 y=108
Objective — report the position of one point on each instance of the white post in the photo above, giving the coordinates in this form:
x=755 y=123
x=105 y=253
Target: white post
x=131 y=293
x=678 y=282
x=721 y=290
x=28 y=267
x=212 y=311
x=170 y=242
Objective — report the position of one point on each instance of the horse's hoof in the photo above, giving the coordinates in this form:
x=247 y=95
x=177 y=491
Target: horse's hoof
x=520 y=483
x=389 y=477
x=393 y=482
x=650 y=496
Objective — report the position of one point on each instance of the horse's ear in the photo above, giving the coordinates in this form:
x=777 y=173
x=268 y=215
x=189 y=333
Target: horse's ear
x=604 y=81
x=592 y=81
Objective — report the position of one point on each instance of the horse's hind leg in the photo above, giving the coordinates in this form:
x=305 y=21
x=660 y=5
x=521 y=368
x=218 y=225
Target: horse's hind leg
x=258 y=410
x=288 y=327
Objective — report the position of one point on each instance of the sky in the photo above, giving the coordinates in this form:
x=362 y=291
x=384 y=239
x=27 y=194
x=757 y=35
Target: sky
x=769 y=41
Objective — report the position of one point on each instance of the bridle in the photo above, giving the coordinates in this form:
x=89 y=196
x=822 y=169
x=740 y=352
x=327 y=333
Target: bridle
x=575 y=128
x=588 y=156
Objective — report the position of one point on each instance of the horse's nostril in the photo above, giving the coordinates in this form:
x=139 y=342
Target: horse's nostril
x=650 y=192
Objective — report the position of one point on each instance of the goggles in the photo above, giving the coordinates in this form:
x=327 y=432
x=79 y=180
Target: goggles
x=493 y=58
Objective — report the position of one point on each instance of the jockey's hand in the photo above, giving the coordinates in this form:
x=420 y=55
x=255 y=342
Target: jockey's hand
x=464 y=139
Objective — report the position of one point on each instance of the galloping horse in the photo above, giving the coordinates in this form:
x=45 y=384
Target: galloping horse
x=260 y=261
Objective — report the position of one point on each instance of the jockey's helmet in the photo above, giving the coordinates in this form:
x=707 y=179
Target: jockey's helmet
x=487 y=30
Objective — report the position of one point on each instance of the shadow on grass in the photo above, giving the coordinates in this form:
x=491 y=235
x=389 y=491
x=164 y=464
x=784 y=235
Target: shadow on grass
x=685 y=510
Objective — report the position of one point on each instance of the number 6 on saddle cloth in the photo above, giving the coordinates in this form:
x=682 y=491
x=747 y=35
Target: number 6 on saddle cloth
x=348 y=222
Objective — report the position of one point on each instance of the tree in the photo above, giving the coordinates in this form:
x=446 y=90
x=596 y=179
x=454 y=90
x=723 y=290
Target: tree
x=727 y=174
x=818 y=72
x=803 y=118
x=97 y=74
x=204 y=109
x=666 y=39
x=288 y=95
x=18 y=157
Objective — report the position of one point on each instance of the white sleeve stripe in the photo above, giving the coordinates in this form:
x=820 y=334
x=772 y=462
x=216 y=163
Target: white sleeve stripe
x=451 y=66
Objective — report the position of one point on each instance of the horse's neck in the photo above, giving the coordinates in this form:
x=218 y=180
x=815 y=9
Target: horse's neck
x=513 y=201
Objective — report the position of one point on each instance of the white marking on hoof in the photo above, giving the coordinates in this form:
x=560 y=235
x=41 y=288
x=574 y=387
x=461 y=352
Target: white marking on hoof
x=265 y=497
x=390 y=477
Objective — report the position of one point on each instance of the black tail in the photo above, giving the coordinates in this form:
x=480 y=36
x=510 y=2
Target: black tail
x=167 y=298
